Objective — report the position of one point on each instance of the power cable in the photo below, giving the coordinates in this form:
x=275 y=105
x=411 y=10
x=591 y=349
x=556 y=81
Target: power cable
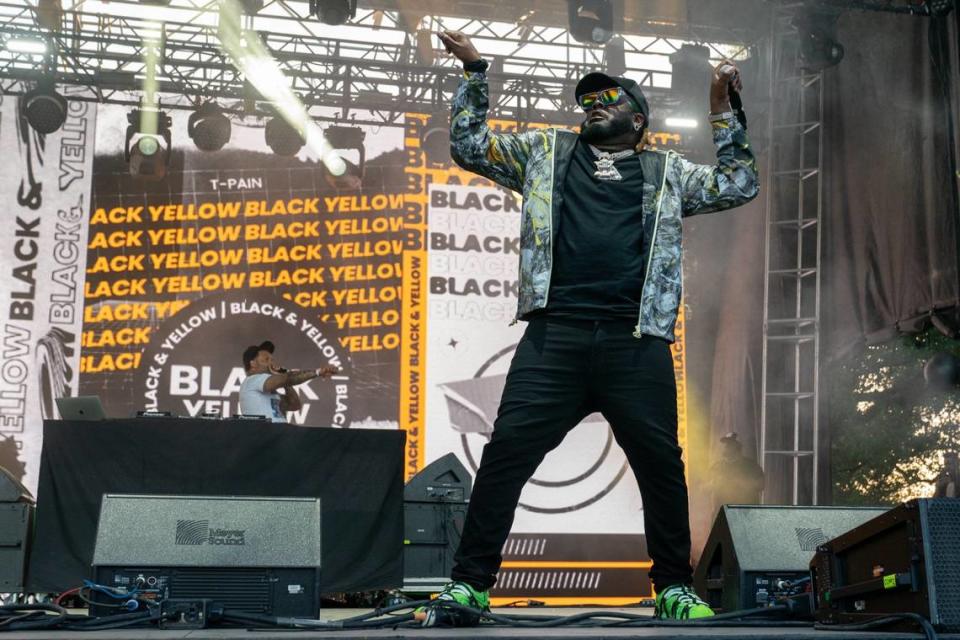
x=928 y=631
x=20 y=617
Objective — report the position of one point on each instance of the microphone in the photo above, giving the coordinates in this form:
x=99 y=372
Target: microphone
x=737 y=104
x=280 y=370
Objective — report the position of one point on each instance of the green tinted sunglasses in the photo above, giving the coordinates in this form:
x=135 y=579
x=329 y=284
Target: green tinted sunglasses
x=606 y=98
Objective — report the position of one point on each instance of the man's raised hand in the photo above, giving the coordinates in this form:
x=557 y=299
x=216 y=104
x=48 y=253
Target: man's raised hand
x=459 y=45
x=726 y=76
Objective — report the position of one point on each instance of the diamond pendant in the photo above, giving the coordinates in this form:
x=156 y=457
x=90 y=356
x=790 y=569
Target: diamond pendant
x=606 y=170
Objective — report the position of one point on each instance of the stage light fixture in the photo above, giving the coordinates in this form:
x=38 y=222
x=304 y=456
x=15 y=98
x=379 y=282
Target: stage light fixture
x=435 y=140
x=251 y=7
x=33 y=46
x=333 y=11
x=44 y=108
x=346 y=139
x=208 y=127
x=818 y=52
x=819 y=48
x=615 y=57
x=283 y=138
x=590 y=21
x=690 y=74
x=147 y=146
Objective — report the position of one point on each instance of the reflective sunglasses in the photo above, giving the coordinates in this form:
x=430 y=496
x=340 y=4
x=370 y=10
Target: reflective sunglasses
x=605 y=98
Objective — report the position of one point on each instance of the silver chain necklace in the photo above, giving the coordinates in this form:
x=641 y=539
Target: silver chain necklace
x=605 y=169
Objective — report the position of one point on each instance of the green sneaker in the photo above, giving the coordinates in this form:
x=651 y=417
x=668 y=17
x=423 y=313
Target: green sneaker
x=680 y=602
x=436 y=615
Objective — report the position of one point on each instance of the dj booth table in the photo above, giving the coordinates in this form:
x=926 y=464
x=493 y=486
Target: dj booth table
x=357 y=474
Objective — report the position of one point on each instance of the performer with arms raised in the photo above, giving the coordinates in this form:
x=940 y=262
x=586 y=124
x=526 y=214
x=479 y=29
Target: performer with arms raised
x=600 y=281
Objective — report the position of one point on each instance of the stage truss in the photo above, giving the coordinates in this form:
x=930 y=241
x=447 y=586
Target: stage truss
x=790 y=380
x=373 y=70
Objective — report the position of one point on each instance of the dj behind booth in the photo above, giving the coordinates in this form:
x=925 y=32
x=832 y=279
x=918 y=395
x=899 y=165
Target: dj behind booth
x=179 y=490
x=259 y=390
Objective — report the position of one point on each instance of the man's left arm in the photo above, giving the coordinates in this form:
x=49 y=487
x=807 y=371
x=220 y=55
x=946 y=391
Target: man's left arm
x=733 y=180
x=291 y=400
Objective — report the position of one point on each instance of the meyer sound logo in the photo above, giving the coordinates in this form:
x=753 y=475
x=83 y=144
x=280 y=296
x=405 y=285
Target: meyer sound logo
x=192 y=531
x=197 y=532
x=810 y=538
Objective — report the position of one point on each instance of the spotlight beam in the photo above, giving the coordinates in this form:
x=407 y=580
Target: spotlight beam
x=254 y=60
x=151 y=54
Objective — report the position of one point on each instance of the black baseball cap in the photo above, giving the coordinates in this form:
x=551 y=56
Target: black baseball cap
x=251 y=352
x=598 y=81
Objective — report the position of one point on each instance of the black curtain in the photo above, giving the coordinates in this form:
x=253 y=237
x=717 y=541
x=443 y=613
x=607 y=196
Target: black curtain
x=890 y=226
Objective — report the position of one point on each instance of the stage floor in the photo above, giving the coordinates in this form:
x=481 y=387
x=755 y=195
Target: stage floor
x=500 y=633
x=461 y=634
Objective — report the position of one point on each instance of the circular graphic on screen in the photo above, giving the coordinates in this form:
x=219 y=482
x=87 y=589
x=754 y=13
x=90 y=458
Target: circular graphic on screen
x=598 y=467
x=193 y=364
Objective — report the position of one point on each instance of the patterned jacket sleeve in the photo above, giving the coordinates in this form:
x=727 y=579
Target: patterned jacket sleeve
x=500 y=157
x=733 y=181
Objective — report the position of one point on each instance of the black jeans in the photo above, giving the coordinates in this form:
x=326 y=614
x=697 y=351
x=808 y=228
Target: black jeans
x=562 y=371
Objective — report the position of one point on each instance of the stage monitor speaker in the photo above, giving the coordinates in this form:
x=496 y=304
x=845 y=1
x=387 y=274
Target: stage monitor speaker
x=434 y=510
x=253 y=554
x=16 y=526
x=757 y=553
x=904 y=561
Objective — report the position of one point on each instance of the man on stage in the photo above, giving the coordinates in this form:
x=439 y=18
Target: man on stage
x=259 y=390
x=600 y=279
x=734 y=477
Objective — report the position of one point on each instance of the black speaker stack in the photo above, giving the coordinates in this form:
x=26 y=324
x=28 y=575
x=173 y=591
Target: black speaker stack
x=848 y=568
x=251 y=554
x=16 y=528
x=906 y=560
x=755 y=555
x=434 y=509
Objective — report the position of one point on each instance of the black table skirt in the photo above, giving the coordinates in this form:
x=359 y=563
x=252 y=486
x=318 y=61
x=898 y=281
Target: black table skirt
x=357 y=474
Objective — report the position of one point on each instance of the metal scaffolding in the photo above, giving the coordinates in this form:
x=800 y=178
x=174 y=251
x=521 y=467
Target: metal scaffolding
x=373 y=70
x=789 y=422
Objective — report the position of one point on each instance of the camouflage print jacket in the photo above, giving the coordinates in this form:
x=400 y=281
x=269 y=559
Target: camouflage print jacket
x=535 y=163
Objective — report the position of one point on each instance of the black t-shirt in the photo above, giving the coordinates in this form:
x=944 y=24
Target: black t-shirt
x=598 y=266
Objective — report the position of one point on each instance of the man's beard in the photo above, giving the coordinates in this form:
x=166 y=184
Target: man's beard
x=602 y=130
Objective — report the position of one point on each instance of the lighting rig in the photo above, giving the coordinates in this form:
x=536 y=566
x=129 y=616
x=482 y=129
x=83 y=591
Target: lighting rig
x=147 y=145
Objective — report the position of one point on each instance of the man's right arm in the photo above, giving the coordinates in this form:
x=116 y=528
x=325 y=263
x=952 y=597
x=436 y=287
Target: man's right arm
x=499 y=157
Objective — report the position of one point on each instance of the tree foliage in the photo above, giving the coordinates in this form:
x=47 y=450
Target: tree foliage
x=888 y=428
